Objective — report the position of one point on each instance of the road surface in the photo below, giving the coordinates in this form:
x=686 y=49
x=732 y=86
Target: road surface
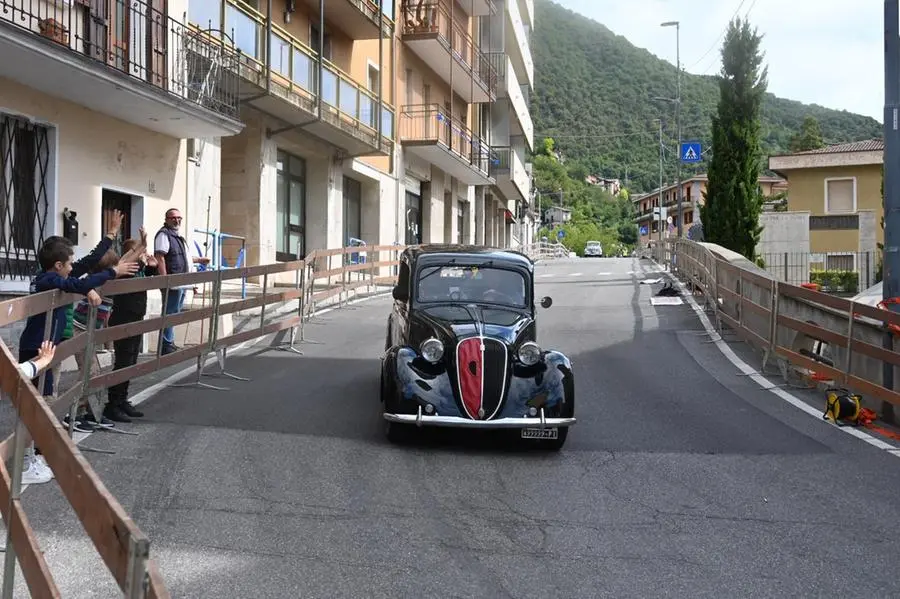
x=681 y=478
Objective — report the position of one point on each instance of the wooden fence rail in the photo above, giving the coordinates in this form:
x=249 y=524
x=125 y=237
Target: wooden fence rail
x=120 y=543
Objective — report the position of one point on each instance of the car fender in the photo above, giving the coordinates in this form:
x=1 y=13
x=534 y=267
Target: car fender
x=414 y=382
x=550 y=385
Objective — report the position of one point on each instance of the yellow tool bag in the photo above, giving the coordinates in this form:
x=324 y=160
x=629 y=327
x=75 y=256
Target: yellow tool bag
x=842 y=406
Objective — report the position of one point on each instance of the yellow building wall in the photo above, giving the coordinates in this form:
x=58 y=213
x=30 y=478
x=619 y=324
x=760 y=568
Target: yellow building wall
x=834 y=241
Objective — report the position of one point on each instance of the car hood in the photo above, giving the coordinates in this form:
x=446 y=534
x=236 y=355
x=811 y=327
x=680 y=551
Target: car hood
x=450 y=324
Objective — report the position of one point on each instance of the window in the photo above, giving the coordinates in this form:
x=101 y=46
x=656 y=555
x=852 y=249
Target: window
x=840 y=262
x=840 y=195
x=314 y=41
x=352 y=210
x=409 y=87
x=24 y=196
x=461 y=222
x=479 y=284
x=373 y=78
x=290 y=217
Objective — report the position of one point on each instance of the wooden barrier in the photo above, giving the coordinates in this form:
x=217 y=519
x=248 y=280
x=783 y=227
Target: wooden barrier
x=123 y=547
x=773 y=316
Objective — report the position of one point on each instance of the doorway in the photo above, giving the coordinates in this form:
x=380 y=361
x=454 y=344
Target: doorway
x=413 y=219
x=115 y=200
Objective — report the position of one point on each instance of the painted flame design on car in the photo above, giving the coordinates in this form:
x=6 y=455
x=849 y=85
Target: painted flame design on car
x=470 y=370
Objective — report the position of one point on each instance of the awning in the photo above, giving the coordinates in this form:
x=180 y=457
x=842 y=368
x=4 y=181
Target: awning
x=510 y=219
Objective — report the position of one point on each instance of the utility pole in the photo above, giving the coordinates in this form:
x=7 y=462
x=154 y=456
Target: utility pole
x=660 y=220
x=677 y=26
x=891 y=255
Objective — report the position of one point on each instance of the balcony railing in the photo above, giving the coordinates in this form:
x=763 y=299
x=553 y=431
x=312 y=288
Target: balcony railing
x=138 y=41
x=424 y=123
x=294 y=69
x=424 y=17
x=505 y=161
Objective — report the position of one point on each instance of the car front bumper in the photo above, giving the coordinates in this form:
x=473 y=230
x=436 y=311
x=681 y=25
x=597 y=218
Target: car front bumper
x=421 y=419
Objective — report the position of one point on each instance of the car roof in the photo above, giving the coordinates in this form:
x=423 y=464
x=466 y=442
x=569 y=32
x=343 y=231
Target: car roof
x=594 y=242
x=475 y=252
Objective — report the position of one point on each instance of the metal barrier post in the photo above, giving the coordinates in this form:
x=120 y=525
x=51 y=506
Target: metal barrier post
x=15 y=492
x=88 y=370
x=221 y=354
x=136 y=579
x=290 y=345
x=213 y=331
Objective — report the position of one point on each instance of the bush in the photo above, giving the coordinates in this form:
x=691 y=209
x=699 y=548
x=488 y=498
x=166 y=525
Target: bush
x=835 y=281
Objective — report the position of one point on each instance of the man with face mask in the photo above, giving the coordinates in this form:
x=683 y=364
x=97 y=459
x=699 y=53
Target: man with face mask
x=173 y=258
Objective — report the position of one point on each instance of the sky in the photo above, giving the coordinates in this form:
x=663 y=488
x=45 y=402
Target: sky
x=826 y=52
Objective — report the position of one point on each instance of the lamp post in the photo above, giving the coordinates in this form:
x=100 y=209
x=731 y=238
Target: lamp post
x=677 y=26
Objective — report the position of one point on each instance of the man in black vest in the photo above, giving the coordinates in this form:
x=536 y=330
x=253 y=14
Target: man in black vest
x=173 y=257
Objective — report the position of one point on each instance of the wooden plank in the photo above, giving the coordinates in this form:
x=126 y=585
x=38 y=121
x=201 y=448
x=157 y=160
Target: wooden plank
x=873 y=389
x=260 y=332
x=875 y=351
x=816 y=297
x=810 y=364
x=812 y=330
x=885 y=316
x=28 y=553
x=327 y=293
x=758 y=280
x=157 y=588
x=254 y=302
x=324 y=274
x=754 y=307
x=730 y=292
x=150 y=325
x=101 y=515
x=115 y=377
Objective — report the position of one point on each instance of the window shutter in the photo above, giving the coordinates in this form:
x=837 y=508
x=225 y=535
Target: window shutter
x=840 y=196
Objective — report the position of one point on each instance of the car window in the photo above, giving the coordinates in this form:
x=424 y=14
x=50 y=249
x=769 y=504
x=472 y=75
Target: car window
x=476 y=284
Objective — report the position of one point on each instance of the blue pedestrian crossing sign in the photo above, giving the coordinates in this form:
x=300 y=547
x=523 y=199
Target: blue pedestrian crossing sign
x=691 y=151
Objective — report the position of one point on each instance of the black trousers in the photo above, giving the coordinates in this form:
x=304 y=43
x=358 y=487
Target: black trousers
x=126 y=354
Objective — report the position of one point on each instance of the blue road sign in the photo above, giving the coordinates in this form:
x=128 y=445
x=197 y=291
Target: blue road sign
x=560 y=234
x=691 y=151
x=644 y=230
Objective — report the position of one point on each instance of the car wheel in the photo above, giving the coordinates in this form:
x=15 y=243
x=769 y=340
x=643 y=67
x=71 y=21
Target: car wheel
x=557 y=443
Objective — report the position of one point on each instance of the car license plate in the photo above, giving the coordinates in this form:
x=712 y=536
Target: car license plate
x=540 y=433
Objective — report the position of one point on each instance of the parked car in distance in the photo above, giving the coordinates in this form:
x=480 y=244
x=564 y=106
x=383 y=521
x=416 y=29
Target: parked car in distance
x=461 y=348
x=593 y=249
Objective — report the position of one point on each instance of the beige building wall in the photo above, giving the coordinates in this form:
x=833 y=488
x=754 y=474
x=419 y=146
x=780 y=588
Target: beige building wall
x=90 y=152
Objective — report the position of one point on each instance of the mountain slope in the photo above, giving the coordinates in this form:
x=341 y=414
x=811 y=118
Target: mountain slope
x=594 y=96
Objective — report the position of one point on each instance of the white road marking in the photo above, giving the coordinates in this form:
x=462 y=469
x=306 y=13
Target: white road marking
x=576 y=274
x=549 y=274
x=764 y=382
x=603 y=274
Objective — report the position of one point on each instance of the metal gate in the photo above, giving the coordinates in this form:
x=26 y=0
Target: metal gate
x=24 y=201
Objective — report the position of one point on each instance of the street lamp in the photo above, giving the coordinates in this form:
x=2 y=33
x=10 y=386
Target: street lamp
x=677 y=26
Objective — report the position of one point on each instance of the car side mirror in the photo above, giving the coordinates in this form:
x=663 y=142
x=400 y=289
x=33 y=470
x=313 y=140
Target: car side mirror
x=546 y=301
x=399 y=294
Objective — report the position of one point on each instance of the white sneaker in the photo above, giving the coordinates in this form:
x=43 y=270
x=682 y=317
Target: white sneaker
x=43 y=465
x=34 y=473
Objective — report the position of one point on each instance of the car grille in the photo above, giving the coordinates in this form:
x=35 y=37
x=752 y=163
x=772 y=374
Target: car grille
x=482 y=386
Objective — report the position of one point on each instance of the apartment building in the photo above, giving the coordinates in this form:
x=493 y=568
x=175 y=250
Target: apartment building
x=293 y=125
x=97 y=100
x=692 y=192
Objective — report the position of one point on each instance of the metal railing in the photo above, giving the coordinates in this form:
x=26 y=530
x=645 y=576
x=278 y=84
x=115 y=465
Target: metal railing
x=431 y=17
x=294 y=67
x=814 y=335
x=297 y=287
x=430 y=123
x=138 y=41
x=833 y=272
x=545 y=250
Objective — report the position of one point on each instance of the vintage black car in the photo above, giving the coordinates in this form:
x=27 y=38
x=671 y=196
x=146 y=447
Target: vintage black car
x=461 y=348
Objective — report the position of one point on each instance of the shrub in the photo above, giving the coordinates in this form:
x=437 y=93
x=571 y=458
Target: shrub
x=835 y=281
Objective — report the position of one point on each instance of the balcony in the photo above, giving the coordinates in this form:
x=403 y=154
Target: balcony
x=427 y=132
x=358 y=19
x=286 y=85
x=508 y=87
x=526 y=8
x=520 y=49
x=478 y=8
x=430 y=32
x=509 y=172
x=150 y=70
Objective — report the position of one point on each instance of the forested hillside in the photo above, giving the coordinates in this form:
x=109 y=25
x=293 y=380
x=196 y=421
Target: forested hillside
x=594 y=96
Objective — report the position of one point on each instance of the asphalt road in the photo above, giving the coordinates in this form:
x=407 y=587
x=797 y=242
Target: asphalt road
x=681 y=478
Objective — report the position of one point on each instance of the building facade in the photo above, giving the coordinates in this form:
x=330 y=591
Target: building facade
x=832 y=221
x=691 y=200
x=289 y=125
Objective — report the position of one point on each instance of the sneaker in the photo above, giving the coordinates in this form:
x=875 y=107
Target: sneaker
x=34 y=473
x=104 y=421
x=81 y=424
x=116 y=413
x=41 y=461
x=168 y=348
x=131 y=411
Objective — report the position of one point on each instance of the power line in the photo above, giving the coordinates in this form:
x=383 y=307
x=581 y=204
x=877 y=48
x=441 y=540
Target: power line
x=746 y=14
x=693 y=126
x=715 y=43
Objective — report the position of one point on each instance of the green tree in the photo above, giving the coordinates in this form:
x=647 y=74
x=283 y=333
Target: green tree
x=809 y=137
x=730 y=214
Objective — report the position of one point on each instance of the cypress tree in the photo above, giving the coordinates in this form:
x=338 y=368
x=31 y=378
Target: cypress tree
x=733 y=200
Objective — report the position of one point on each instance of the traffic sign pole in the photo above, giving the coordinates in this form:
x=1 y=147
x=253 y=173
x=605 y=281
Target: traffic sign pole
x=891 y=253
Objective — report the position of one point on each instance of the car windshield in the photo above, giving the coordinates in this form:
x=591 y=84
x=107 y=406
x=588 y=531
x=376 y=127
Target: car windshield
x=477 y=284
x=593 y=244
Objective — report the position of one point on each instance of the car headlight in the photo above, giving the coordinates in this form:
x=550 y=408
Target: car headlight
x=529 y=353
x=432 y=350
